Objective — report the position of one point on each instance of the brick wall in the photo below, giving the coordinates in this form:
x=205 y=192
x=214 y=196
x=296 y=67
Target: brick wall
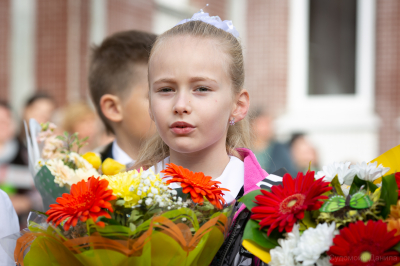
x=267 y=53
x=51 y=48
x=130 y=15
x=84 y=48
x=388 y=71
x=4 y=48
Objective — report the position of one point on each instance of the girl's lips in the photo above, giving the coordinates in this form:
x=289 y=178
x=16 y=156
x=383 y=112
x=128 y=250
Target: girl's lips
x=181 y=128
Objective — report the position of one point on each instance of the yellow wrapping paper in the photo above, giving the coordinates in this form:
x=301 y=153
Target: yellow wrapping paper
x=163 y=243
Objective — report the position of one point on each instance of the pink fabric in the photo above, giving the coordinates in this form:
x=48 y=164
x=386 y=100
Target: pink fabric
x=253 y=173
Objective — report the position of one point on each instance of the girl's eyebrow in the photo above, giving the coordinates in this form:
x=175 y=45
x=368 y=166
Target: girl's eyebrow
x=193 y=79
x=165 y=80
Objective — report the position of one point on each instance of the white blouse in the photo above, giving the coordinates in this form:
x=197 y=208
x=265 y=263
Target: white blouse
x=232 y=177
x=8 y=225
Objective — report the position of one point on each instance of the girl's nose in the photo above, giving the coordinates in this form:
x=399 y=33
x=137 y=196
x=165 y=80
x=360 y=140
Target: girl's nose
x=182 y=104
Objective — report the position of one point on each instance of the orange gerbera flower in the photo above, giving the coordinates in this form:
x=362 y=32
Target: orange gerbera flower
x=197 y=184
x=86 y=200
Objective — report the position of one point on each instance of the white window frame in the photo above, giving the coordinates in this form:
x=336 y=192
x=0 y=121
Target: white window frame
x=325 y=112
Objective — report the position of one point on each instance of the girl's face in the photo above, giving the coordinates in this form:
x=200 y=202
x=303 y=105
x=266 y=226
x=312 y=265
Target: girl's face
x=191 y=96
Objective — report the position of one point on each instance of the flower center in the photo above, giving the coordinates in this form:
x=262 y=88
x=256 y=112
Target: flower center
x=291 y=203
x=365 y=256
x=81 y=202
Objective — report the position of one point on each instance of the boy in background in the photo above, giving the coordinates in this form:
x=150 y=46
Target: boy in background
x=119 y=90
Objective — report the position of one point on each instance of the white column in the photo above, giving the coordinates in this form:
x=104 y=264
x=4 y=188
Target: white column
x=238 y=14
x=73 y=49
x=22 y=57
x=98 y=21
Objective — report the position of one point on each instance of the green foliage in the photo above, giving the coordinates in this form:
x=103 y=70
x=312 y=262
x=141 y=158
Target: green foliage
x=252 y=232
x=72 y=142
x=389 y=194
x=336 y=184
x=358 y=183
x=249 y=198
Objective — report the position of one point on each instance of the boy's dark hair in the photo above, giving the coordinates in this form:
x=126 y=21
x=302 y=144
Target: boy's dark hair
x=111 y=66
x=38 y=96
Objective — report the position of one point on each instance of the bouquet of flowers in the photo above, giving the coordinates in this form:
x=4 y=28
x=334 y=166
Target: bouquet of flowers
x=344 y=215
x=131 y=218
x=55 y=163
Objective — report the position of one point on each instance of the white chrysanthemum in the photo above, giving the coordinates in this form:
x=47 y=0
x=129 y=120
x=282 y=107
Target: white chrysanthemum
x=64 y=175
x=324 y=261
x=313 y=242
x=369 y=171
x=79 y=161
x=342 y=170
x=81 y=174
x=283 y=254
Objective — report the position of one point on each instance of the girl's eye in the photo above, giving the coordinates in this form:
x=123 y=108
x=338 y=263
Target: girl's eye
x=165 y=90
x=202 y=89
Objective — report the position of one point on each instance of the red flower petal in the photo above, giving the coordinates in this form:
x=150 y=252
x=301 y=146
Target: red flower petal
x=286 y=203
x=197 y=184
x=364 y=244
x=86 y=200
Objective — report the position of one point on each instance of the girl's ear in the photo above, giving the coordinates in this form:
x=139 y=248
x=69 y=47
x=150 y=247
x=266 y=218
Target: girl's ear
x=111 y=107
x=241 y=106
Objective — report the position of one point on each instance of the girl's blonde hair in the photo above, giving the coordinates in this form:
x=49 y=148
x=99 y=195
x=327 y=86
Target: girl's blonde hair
x=155 y=150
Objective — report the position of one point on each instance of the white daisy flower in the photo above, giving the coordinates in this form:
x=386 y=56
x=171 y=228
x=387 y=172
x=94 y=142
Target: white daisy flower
x=313 y=242
x=342 y=170
x=369 y=171
x=283 y=254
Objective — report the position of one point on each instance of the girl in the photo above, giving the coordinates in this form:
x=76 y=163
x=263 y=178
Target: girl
x=199 y=106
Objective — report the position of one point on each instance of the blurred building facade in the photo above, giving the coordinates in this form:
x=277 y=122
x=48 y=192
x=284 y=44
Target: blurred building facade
x=328 y=68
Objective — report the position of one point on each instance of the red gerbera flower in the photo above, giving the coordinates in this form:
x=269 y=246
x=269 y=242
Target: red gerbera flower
x=86 y=200
x=364 y=244
x=284 y=205
x=397 y=177
x=197 y=184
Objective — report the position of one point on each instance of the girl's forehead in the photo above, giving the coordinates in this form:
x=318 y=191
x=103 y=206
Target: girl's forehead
x=190 y=53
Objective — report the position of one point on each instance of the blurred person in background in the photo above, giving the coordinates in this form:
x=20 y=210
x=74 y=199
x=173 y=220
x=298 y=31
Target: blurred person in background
x=15 y=178
x=40 y=107
x=303 y=153
x=81 y=118
x=271 y=154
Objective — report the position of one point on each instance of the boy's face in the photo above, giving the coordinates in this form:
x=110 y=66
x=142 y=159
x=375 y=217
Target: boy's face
x=191 y=94
x=135 y=107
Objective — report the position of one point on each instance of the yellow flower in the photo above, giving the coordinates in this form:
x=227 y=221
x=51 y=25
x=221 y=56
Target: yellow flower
x=133 y=186
x=123 y=186
x=112 y=167
x=93 y=159
x=394 y=218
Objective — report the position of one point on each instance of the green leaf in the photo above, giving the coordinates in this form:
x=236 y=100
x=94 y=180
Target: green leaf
x=252 y=232
x=336 y=184
x=135 y=215
x=120 y=202
x=308 y=221
x=358 y=183
x=66 y=134
x=389 y=194
x=132 y=227
x=60 y=138
x=397 y=247
x=108 y=221
x=249 y=198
